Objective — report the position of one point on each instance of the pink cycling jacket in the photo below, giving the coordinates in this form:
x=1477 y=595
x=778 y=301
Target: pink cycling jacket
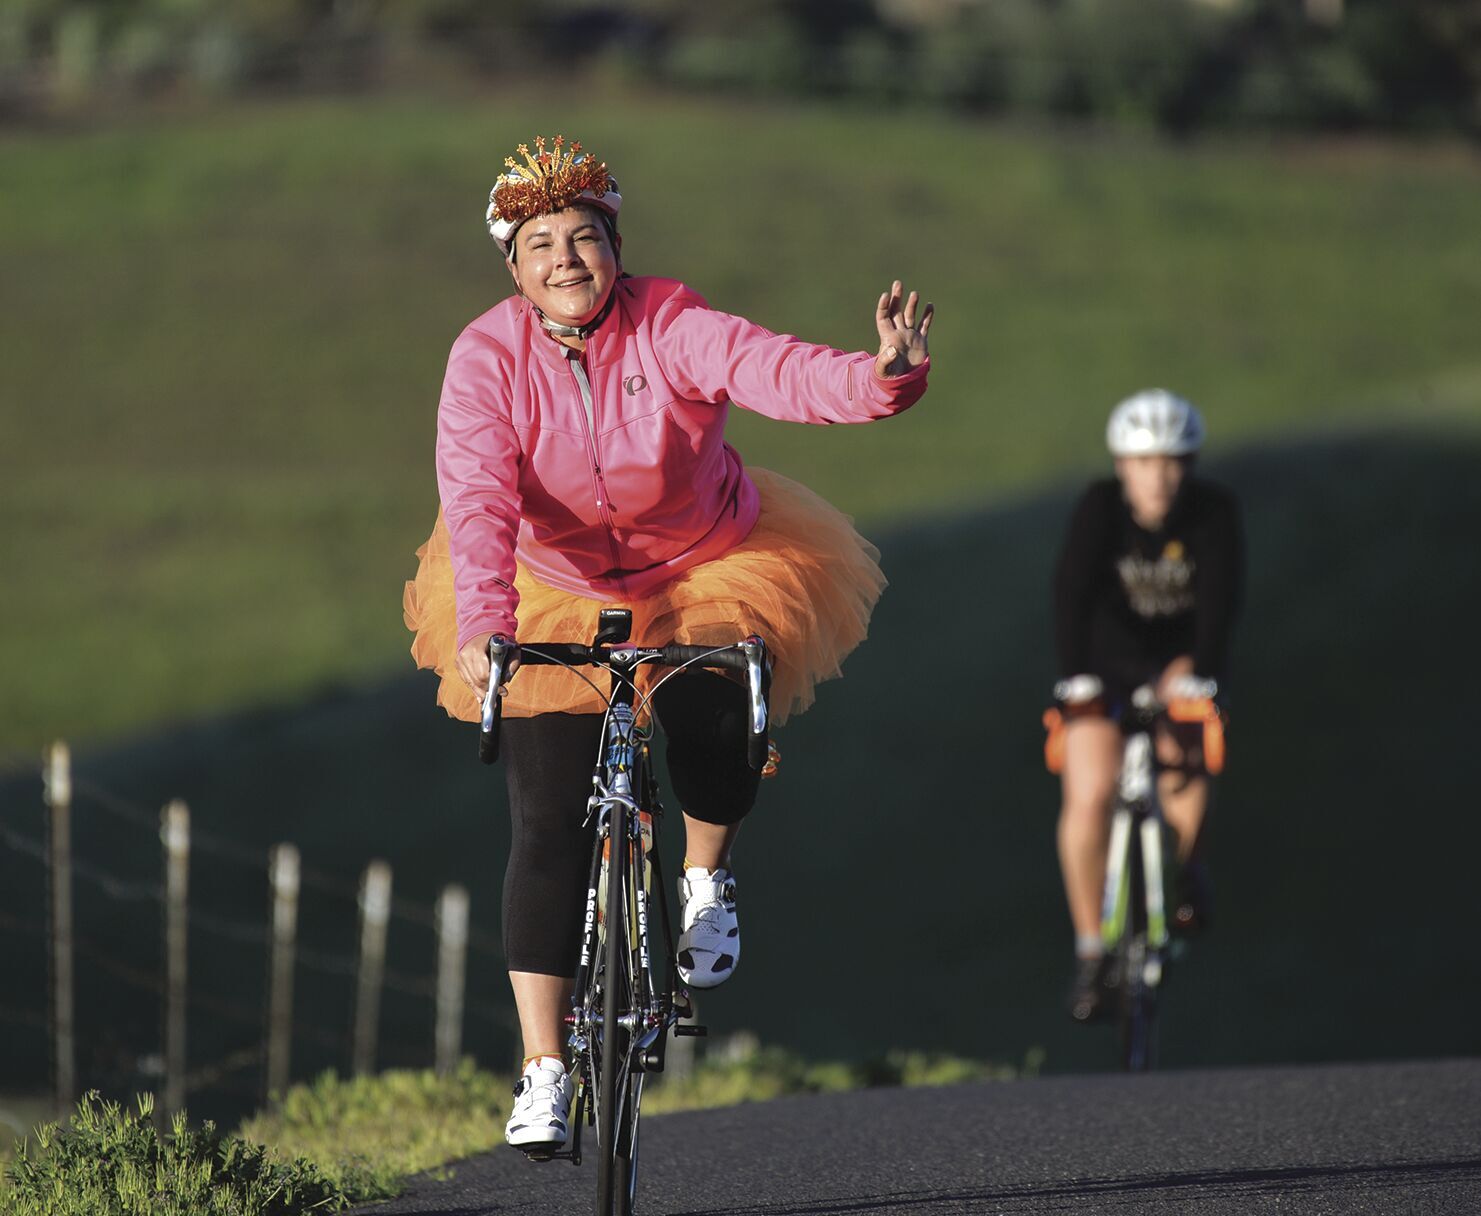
x=608 y=473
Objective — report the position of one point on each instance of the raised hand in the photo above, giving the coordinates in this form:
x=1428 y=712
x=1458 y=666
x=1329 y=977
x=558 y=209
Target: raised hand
x=902 y=333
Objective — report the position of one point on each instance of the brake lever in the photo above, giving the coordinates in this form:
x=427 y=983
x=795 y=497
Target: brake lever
x=501 y=650
x=755 y=651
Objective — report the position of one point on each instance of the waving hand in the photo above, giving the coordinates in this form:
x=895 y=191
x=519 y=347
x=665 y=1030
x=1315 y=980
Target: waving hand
x=902 y=333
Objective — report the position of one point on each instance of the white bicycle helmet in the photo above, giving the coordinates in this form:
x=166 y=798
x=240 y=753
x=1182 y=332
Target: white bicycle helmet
x=1154 y=422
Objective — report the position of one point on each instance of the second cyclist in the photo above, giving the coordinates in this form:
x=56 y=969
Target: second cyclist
x=1145 y=592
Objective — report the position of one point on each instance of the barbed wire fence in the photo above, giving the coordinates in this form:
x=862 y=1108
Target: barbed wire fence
x=264 y=1040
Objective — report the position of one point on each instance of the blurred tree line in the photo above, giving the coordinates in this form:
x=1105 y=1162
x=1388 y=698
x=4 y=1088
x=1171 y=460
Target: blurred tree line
x=1182 y=65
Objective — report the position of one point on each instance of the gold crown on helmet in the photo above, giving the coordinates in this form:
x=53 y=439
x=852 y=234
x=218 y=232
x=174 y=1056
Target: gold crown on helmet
x=548 y=181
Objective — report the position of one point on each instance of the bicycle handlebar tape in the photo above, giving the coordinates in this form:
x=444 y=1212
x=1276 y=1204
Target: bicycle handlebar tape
x=677 y=655
x=488 y=735
x=757 y=750
x=556 y=654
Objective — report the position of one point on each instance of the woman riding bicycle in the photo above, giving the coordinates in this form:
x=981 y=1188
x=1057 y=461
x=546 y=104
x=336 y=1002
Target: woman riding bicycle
x=581 y=461
x=1145 y=593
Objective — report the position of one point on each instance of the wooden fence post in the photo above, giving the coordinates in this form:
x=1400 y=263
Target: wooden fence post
x=58 y=795
x=284 y=878
x=175 y=832
x=452 y=954
x=375 y=913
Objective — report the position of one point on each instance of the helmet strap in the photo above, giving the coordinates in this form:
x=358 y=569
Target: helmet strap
x=580 y=331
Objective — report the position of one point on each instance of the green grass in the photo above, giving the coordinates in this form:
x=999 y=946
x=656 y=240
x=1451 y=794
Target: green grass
x=224 y=336
x=371 y=1132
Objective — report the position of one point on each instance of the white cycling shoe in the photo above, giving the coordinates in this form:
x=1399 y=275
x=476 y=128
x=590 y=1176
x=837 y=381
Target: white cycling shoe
x=709 y=933
x=542 y=1106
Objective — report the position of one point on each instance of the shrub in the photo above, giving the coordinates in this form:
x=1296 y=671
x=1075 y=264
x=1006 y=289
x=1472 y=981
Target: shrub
x=113 y=1162
x=768 y=57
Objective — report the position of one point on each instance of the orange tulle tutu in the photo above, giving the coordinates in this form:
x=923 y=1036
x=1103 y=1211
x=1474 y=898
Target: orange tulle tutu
x=803 y=580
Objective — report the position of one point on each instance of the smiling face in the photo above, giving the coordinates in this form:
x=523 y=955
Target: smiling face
x=565 y=264
x=1150 y=484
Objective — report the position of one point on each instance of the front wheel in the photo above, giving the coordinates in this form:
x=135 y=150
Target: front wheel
x=1137 y=971
x=618 y=1085
x=1137 y=1018
x=624 y=1161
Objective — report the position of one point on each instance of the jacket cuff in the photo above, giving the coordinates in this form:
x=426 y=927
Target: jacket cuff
x=488 y=624
x=895 y=393
x=915 y=373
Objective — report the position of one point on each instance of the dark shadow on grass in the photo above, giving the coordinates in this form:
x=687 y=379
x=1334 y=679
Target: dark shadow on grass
x=1348 y=716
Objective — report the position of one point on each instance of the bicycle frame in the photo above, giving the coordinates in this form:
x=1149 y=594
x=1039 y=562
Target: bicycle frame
x=1137 y=810
x=1134 y=922
x=1134 y=909
x=620 y=1017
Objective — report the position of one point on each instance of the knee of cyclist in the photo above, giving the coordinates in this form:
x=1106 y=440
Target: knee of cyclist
x=1180 y=745
x=719 y=793
x=1171 y=752
x=1085 y=809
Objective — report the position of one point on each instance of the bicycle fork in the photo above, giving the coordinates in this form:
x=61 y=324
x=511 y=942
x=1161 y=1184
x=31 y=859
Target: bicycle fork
x=1142 y=828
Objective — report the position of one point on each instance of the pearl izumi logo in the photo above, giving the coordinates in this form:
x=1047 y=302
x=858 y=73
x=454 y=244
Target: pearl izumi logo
x=635 y=385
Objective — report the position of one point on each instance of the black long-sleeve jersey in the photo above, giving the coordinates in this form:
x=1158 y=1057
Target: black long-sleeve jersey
x=1127 y=601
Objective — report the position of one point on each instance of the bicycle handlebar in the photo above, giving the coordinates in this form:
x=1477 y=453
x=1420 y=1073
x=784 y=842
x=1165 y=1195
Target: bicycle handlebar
x=1192 y=699
x=749 y=656
x=1183 y=688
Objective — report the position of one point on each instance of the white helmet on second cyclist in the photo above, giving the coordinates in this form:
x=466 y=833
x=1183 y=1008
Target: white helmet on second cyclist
x=1154 y=423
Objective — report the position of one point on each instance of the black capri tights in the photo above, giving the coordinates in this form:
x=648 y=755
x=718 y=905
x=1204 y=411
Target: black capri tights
x=548 y=761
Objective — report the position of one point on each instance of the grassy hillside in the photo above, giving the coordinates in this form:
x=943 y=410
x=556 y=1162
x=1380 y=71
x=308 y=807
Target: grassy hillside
x=915 y=903
x=224 y=336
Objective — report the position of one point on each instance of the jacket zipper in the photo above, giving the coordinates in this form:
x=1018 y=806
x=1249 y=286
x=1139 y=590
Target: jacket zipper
x=598 y=481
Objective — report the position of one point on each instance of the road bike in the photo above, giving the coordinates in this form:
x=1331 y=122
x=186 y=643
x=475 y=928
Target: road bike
x=621 y=1015
x=1134 y=919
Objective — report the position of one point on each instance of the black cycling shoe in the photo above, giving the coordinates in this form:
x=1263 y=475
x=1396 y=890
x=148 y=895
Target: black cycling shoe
x=1090 y=991
x=1192 y=901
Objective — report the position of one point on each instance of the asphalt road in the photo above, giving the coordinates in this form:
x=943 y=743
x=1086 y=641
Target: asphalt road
x=1373 y=1138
